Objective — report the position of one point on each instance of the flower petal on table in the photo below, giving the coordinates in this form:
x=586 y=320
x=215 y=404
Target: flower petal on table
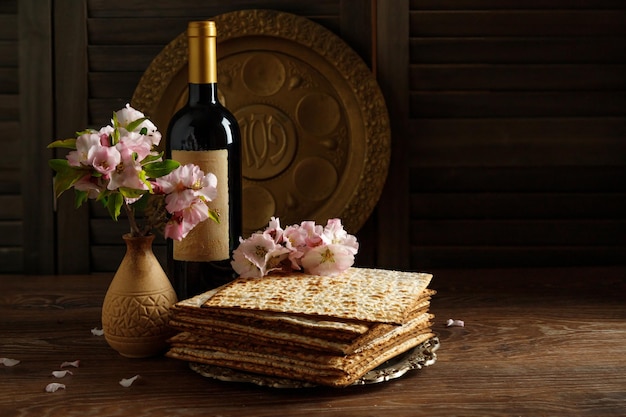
x=54 y=386
x=61 y=374
x=128 y=382
x=75 y=364
x=97 y=332
x=455 y=323
x=9 y=362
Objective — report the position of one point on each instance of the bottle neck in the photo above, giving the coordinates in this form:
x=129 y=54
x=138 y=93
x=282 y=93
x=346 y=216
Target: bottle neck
x=201 y=38
x=202 y=63
x=203 y=94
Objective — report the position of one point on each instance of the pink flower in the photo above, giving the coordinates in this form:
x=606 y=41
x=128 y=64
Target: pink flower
x=183 y=221
x=195 y=213
x=120 y=160
x=85 y=145
x=313 y=233
x=133 y=142
x=105 y=135
x=127 y=175
x=174 y=228
x=188 y=189
x=295 y=236
x=305 y=235
x=258 y=255
x=91 y=185
x=128 y=115
x=274 y=231
x=186 y=184
x=327 y=260
x=105 y=159
x=243 y=265
x=334 y=233
x=295 y=239
x=308 y=247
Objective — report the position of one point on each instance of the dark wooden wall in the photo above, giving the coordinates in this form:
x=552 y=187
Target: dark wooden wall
x=11 y=206
x=508 y=122
x=517 y=132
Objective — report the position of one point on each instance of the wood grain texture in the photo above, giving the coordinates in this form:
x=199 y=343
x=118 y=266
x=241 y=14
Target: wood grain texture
x=71 y=78
x=517 y=50
x=531 y=346
x=191 y=8
x=530 y=95
x=8 y=23
x=502 y=22
x=11 y=207
x=590 y=179
x=520 y=4
x=37 y=131
x=391 y=54
x=9 y=105
x=529 y=77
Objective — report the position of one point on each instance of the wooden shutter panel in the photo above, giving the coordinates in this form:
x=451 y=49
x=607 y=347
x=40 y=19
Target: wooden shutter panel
x=518 y=133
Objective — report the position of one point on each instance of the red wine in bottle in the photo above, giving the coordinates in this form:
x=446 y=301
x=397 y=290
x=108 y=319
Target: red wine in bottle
x=205 y=133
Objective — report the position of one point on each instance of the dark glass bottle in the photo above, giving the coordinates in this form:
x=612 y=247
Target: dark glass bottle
x=205 y=133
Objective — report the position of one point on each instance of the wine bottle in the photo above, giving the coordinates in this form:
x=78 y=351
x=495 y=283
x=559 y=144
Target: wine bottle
x=205 y=133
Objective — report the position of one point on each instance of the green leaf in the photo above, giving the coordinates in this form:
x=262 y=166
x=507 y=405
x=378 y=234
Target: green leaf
x=103 y=198
x=152 y=158
x=135 y=124
x=80 y=197
x=63 y=143
x=114 y=205
x=66 y=175
x=160 y=168
x=59 y=164
x=115 y=136
x=131 y=192
x=144 y=178
x=86 y=132
x=214 y=215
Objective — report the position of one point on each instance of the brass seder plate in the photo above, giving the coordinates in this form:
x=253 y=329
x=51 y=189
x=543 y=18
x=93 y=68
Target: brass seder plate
x=314 y=124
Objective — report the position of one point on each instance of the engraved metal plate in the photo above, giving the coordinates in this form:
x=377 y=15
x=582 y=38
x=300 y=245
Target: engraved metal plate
x=315 y=129
x=417 y=358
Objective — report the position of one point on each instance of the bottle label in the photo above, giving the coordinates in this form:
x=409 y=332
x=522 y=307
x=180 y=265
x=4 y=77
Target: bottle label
x=208 y=241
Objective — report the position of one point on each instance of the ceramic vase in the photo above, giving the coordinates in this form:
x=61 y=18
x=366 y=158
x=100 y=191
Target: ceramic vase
x=136 y=307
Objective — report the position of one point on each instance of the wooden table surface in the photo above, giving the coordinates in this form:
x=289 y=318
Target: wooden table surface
x=548 y=342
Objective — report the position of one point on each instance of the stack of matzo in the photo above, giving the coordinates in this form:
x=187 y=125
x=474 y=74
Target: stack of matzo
x=317 y=329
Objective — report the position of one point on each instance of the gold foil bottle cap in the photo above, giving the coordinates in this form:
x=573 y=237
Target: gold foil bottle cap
x=202 y=29
x=201 y=37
